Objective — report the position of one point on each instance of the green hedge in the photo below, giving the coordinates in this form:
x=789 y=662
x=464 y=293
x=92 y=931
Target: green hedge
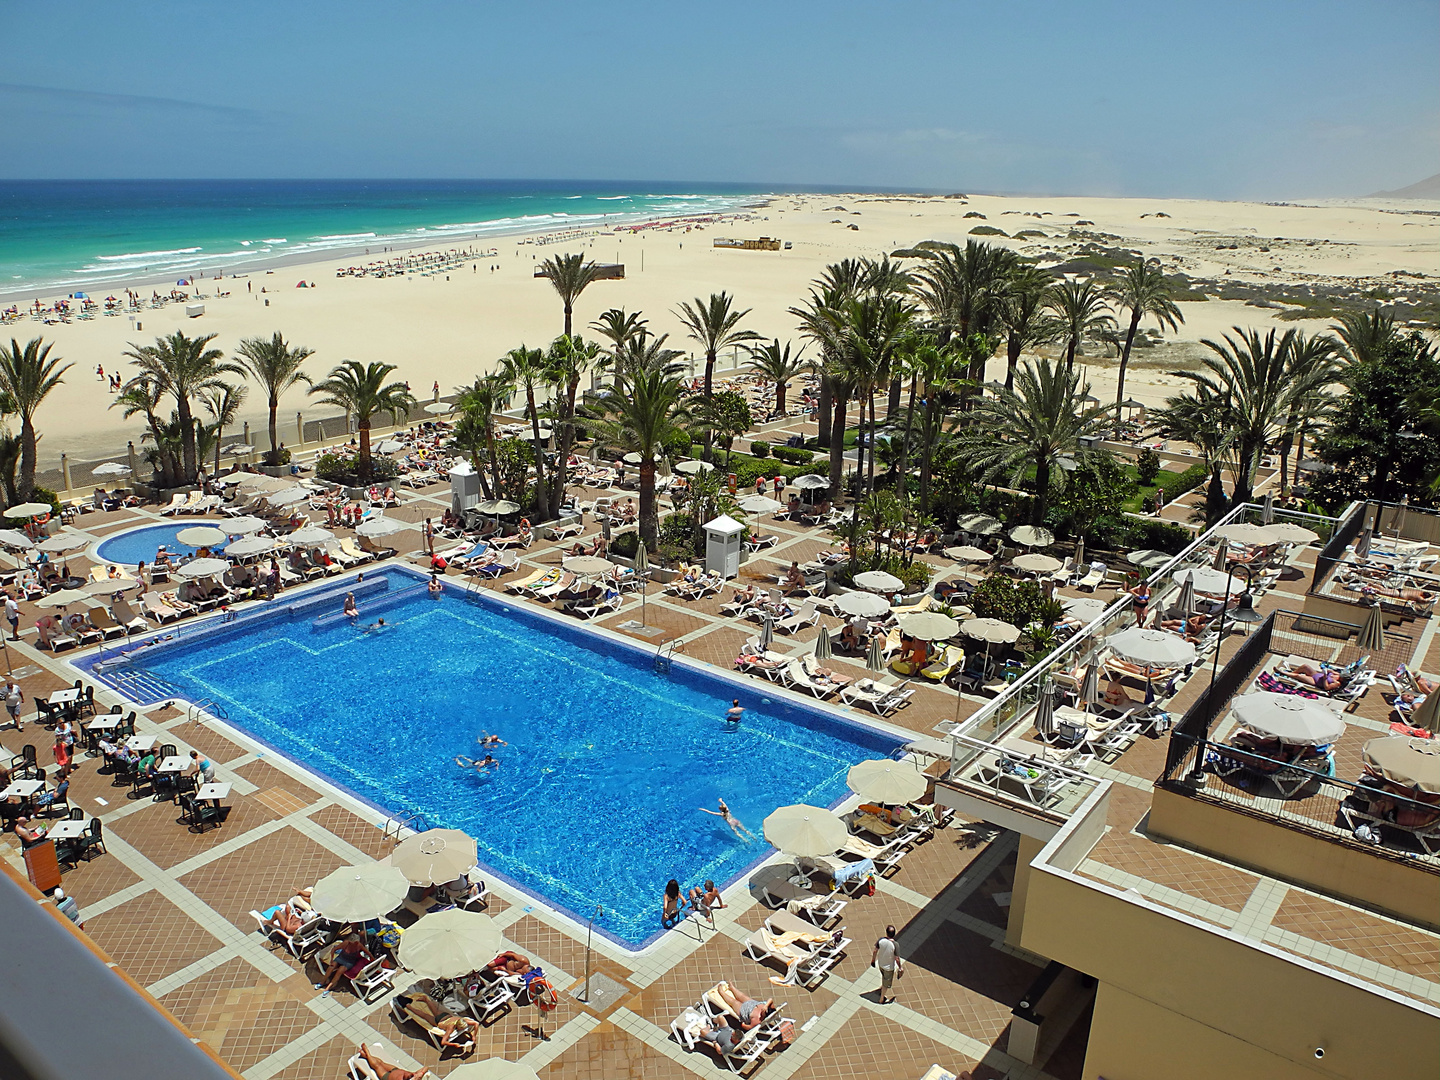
x=793 y=454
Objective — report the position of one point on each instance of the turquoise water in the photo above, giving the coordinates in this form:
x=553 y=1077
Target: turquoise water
x=135 y=545
x=62 y=236
x=596 y=798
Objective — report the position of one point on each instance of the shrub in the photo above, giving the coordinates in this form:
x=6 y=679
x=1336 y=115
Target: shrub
x=1147 y=464
x=1189 y=480
x=625 y=544
x=1164 y=536
x=759 y=448
x=987 y=230
x=999 y=597
x=678 y=446
x=794 y=455
x=342 y=467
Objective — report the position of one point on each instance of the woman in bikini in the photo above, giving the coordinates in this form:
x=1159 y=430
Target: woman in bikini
x=736 y=825
x=750 y=1011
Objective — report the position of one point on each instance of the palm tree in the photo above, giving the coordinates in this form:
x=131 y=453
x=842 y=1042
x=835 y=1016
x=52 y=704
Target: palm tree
x=569 y=359
x=142 y=397
x=869 y=331
x=1142 y=290
x=1080 y=310
x=639 y=415
x=1034 y=425
x=933 y=369
x=1368 y=336
x=570 y=274
x=478 y=405
x=1021 y=312
x=182 y=367
x=820 y=323
x=361 y=390
x=276 y=367
x=1250 y=375
x=618 y=326
x=645 y=353
x=962 y=288
x=1314 y=363
x=223 y=403
x=527 y=370
x=27 y=375
x=715 y=326
x=775 y=364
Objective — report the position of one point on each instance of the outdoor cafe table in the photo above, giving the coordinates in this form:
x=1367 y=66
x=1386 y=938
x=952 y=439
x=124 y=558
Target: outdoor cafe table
x=68 y=830
x=212 y=792
x=65 y=697
x=22 y=789
x=101 y=725
x=172 y=764
x=139 y=744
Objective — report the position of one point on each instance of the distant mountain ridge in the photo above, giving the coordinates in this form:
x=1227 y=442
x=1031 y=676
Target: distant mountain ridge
x=1425 y=189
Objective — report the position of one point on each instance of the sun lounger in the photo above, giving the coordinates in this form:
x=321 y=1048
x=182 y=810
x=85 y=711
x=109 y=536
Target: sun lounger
x=177 y=503
x=589 y=609
x=875 y=695
x=157 y=609
x=524 y=584
x=351 y=550
x=803 y=954
x=795 y=675
x=808 y=615
x=820 y=908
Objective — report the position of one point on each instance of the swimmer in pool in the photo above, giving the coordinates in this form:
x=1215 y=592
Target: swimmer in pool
x=736 y=825
x=379 y=624
x=486 y=739
x=484 y=764
x=734 y=713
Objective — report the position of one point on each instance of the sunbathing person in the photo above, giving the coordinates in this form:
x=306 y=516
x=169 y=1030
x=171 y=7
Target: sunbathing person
x=794 y=579
x=721 y=1035
x=1413 y=596
x=756 y=660
x=349 y=960
x=852 y=635
x=454 y=1030
x=1321 y=678
x=510 y=963
x=827 y=675
x=750 y=1011
x=1192 y=627
x=1116 y=696
x=1422 y=683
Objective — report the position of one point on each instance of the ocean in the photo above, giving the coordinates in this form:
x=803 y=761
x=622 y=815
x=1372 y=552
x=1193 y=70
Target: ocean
x=60 y=236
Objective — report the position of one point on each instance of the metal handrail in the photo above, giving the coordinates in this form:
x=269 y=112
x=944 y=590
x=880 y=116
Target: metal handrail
x=404 y=821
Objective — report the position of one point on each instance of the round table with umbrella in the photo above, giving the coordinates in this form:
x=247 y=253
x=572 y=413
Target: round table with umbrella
x=1287 y=532
x=991 y=632
x=448 y=944
x=198 y=568
x=67 y=541
x=109 y=586
x=863 y=605
x=198 y=536
x=587 y=565
x=693 y=467
x=1288 y=718
x=14 y=538
x=805 y=832
x=435 y=856
x=878 y=581
x=245 y=524
x=28 y=510
x=439 y=408
x=375 y=528
x=247 y=546
x=1085 y=608
x=979 y=524
x=1148 y=558
x=1037 y=564
x=1152 y=648
x=885 y=781
x=1032 y=536
x=1409 y=762
x=359 y=893
x=928 y=626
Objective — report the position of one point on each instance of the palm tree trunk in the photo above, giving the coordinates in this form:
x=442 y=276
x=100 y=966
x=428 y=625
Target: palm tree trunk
x=569 y=313
x=1070 y=348
x=542 y=502
x=927 y=451
x=649 y=519
x=1012 y=359
x=892 y=406
x=27 y=456
x=219 y=438
x=1042 y=491
x=187 y=437
x=1124 y=360
x=274 y=456
x=709 y=378
x=364 y=462
x=823 y=410
x=903 y=472
x=837 y=447
x=780 y=396
x=870 y=478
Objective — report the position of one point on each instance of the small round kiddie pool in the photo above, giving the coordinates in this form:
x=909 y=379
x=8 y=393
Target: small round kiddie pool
x=140 y=545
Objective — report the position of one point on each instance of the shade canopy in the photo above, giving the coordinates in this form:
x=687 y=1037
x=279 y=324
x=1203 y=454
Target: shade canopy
x=254 y=481
x=979 y=524
x=492 y=1069
x=1287 y=532
x=693 y=467
x=1289 y=718
x=377 y=527
x=14 y=538
x=388 y=446
x=867 y=605
x=878 y=581
x=1244 y=533
x=929 y=625
x=1085 y=608
x=805 y=831
x=1149 y=558
x=886 y=781
x=1406 y=761
x=760 y=504
x=1205 y=579
x=1032 y=536
x=993 y=631
x=289 y=496
x=245 y=524
x=499 y=507
x=110 y=586
x=28 y=510
x=309 y=534
x=439 y=408
x=1152 y=648
x=202 y=536
x=968 y=553
x=434 y=857
x=198 y=568
x=808 y=482
x=111 y=468
x=67 y=541
x=451 y=943
x=357 y=893
x=249 y=545
x=1038 y=564
x=632 y=458
x=239 y=449
x=587 y=565
x=62 y=598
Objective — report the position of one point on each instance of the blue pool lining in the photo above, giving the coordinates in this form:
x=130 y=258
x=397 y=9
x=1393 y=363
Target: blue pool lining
x=93 y=551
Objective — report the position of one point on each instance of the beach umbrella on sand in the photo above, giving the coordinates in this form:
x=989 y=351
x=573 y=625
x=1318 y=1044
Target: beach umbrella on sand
x=822 y=644
x=1405 y=761
x=887 y=781
x=1372 y=632
x=1032 y=536
x=14 y=538
x=878 y=581
x=377 y=527
x=62 y=598
x=29 y=510
x=249 y=545
x=493 y=1069
x=110 y=468
x=450 y=943
x=357 y=893
x=245 y=524
x=929 y=626
x=867 y=605
x=110 y=586
x=434 y=857
x=67 y=541
x=979 y=524
x=289 y=496
x=1289 y=718
x=805 y=831
x=309 y=534
x=202 y=536
x=198 y=568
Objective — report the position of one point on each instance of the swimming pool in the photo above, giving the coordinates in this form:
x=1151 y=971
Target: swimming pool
x=134 y=545
x=596 y=799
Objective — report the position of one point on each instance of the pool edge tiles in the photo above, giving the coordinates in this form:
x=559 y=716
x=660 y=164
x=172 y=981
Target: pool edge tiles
x=848 y=737
x=95 y=551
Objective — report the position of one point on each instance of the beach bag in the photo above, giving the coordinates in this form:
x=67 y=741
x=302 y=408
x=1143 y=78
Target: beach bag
x=786 y=1032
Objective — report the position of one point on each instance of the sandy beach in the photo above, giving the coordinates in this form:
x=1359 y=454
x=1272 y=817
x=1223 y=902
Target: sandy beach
x=451 y=328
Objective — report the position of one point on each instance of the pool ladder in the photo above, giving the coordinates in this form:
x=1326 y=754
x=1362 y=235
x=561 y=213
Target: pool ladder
x=399 y=822
x=665 y=654
x=195 y=713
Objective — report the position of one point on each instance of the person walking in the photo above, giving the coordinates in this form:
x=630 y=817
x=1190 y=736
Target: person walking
x=886 y=957
x=14 y=698
x=12 y=616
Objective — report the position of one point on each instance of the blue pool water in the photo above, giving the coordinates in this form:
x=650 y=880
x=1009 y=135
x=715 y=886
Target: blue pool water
x=133 y=545
x=596 y=800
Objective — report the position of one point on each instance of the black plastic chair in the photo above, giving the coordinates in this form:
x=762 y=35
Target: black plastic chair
x=95 y=841
x=87 y=702
x=197 y=814
x=24 y=766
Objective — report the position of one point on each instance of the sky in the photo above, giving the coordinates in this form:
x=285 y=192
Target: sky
x=1251 y=100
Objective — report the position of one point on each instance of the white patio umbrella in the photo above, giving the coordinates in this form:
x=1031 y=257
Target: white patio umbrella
x=14 y=538
x=822 y=644
x=1186 y=601
x=767 y=631
x=28 y=510
x=1372 y=631
x=450 y=943
x=439 y=408
x=254 y=481
x=110 y=586
x=289 y=496
x=867 y=605
x=878 y=581
x=388 y=446
x=928 y=625
x=1205 y=579
x=1038 y=564
x=979 y=524
x=62 y=598
x=434 y=857
x=632 y=458
x=309 y=534
x=693 y=467
x=875 y=655
x=1044 y=719
x=111 y=468
x=377 y=527
x=1149 y=558
x=990 y=631
x=808 y=482
x=357 y=893
x=886 y=781
x=1287 y=532
x=245 y=524
x=202 y=536
x=1085 y=608
x=67 y=541
x=1152 y=648
x=1244 y=533
x=1032 y=536
x=493 y=1069
x=587 y=565
x=249 y=545
x=968 y=553
x=1289 y=718
x=805 y=831
x=497 y=507
x=760 y=504
x=198 y=568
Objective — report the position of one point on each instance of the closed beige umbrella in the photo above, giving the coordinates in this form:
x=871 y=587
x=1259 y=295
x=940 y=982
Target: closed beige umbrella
x=805 y=831
x=1372 y=632
x=1427 y=716
x=357 y=893
x=1408 y=762
x=886 y=781
x=451 y=943
x=434 y=857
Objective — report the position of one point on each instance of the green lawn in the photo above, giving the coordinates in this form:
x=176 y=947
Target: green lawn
x=1165 y=478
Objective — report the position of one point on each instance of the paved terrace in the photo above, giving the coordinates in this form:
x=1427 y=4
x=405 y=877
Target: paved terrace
x=170 y=906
